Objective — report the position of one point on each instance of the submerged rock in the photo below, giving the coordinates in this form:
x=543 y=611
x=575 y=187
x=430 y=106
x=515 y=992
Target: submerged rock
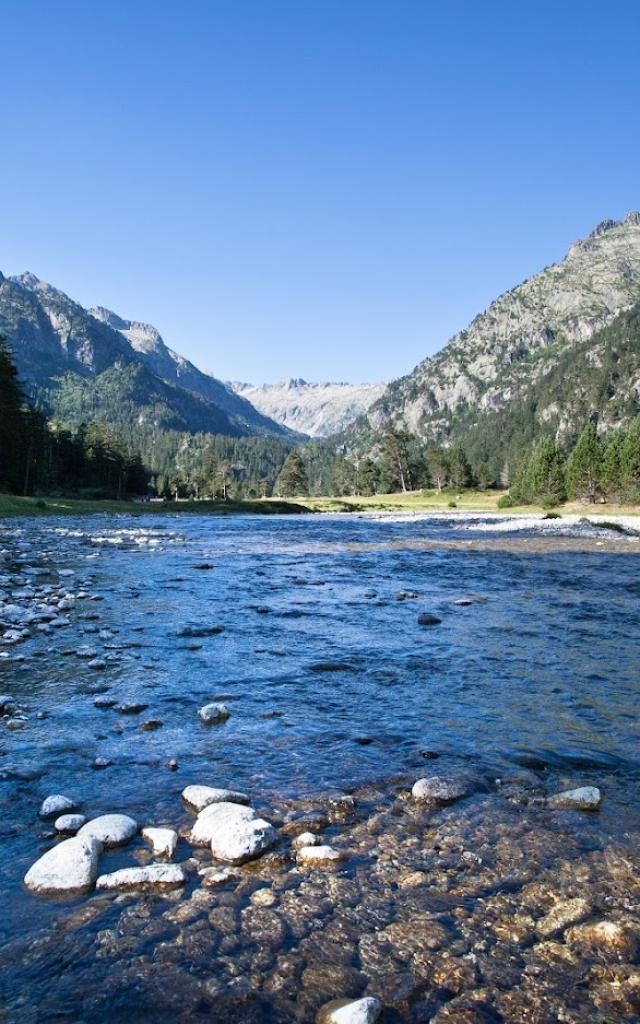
x=319 y=856
x=428 y=619
x=350 y=1011
x=306 y=839
x=607 y=935
x=210 y=714
x=564 y=913
x=584 y=798
x=214 y=877
x=199 y=797
x=440 y=789
x=110 y=829
x=163 y=841
x=68 y=868
x=153 y=876
x=56 y=804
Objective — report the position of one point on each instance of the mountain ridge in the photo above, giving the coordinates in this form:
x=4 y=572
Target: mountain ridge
x=62 y=348
x=313 y=408
x=514 y=342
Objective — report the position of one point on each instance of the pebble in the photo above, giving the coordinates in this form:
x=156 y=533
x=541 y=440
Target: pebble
x=440 y=789
x=214 y=877
x=153 y=876
x=110 y=829
x=306 y=839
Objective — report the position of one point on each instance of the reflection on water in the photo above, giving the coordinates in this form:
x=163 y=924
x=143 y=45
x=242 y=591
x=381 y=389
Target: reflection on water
x=539 y=668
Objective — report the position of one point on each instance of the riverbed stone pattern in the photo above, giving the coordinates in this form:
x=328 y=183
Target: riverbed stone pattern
x=455 y=896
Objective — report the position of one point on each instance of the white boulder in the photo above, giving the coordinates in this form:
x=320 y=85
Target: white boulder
x=233 y=831
x=68 y=868
x=56 y=804
x=69 y=822
x=153 y=876
x=163 y=841
x=199 y=797
x=110 y=829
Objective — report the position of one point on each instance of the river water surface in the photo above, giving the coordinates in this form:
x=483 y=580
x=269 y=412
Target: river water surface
x=332 y=687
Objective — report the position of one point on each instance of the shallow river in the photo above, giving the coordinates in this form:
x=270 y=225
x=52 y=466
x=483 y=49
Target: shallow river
x=332 y=686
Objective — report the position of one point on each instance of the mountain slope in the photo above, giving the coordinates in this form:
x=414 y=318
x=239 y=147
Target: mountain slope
x=499 y=360
x=81 y=365
x=318 y=410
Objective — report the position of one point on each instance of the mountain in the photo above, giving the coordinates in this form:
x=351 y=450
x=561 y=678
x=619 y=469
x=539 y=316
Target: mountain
x=530 y=356
x=318 y=410
x=91 y=364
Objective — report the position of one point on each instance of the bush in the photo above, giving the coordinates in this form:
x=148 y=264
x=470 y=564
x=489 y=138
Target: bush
x=506 y=501
x=451 y=504
x=550 y=501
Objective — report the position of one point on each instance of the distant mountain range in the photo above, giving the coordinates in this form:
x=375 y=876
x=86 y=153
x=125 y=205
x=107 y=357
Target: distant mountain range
x=84 y=365
x=556 y=349
x=317 y=410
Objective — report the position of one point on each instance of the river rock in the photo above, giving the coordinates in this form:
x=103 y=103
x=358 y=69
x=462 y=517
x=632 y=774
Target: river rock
x=68 y=868
x=564 y=913
x=584 y=798
x=440 y=789
x=214 y=877
x=318 y=856
x=56 y=804
x=210 y=714
x=608 y=935
x=306 y=839
x=110 y=829
x=163 y=841
x=216 y=816
x=350 y=1011
x=233 y=831
x=153 y=876
x=199 y=797
x=428 y=619
x=69 y=822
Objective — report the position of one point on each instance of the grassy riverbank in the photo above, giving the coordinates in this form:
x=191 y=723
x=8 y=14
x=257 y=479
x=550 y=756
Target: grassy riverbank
x=413 y=501
x=11 y=505
x=466 y=501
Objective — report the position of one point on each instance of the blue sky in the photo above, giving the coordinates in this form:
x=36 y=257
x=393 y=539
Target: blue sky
x=320 y=189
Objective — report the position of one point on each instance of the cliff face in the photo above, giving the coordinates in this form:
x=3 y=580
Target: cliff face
x=510 y=348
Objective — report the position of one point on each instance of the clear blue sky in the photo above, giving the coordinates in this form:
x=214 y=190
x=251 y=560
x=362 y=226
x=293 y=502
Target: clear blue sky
x=320 y=189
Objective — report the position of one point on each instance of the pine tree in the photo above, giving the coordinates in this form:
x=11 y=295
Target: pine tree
x=630 y=462
x=12 y=448
x=546 y=473
x=459 y=468
x=612 y=462
x=584 y=466
x=293 y=477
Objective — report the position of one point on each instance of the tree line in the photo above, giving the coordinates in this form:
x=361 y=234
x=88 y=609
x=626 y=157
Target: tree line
x=38 y=456
x=598 y=467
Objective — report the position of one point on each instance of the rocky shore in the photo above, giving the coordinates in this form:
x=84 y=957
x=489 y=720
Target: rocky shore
x=455 y=897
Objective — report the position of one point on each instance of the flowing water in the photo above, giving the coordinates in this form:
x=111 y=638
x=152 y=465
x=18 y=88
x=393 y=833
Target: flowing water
x=332 y=686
